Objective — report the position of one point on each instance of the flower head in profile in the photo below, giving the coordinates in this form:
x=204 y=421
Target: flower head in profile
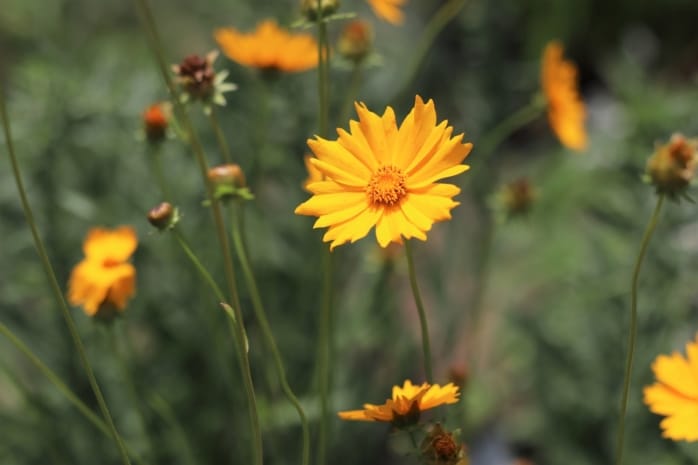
x=675 y=394
x=384 y=175
x=269 y=47
x=566 y=111
x=673 y=165
x=200 y=81
x=406 y=404
x=104 y=280
x=388 y=10
x=156 y=121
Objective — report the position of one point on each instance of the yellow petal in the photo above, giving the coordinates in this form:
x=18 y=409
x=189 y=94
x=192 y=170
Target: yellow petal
x=335 y=154
x=675 y=372
x=322 y=204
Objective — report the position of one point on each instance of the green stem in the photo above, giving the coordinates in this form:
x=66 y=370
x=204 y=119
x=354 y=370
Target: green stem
x=156 y=43
x=130 y=384
x=324 y=354
x=267 y=333
x=58 y=293
x=632 y=330
x=437 y=22
x=323 y=75
x=203 y=272
x=352 y=92
x=507 y=126
x=426 y=346
x=156 y=159
x=220 y=137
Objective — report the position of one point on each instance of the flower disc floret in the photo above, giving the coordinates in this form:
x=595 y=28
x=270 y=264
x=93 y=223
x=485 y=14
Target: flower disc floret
x=384 y=175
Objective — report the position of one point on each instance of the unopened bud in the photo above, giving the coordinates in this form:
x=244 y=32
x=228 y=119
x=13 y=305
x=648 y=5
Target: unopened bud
x=517 y=197
x=229 y=182
x=672 y=166
x=440 y=447
x=355 y=41
x=311 y=8
x=163 y=216
x=155 y=122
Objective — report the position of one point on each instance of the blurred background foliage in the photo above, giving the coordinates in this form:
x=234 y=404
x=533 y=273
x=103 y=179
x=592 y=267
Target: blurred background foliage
x=531 y=312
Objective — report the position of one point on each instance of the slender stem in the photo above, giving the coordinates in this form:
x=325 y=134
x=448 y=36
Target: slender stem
x=437 y=22
x=516 y=120
x=203 y=272
x=632 y=330
x=58 y=293
x=323 y=76
x=352 y=91
x=61 y=386
x=220 y=137
x=156 y=160
x=163 y=409
x=127 y=378
x=266 y=330
x=325 y=317
x=324 y=353
x=426 y=346
x=150 y=27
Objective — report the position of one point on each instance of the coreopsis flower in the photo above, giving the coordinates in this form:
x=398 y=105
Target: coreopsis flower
x=155 y=121
x=382 y=175
x=200 y=81
x=388 y=10
x=675 y=394
x=440 y=447
x=269 y=47
x=672 y=166
x=104 y=280
x=406 y=404
x=566 y=111
x=355 y=40
x=314 y=174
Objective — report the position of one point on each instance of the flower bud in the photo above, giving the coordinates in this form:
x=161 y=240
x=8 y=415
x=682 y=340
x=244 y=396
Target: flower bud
x=310 y=8
x=229 y=181
x=155 y=122
x=672 y=166
x=440 y=447
x=355 y=41
x=163 y=216
x=517 y=197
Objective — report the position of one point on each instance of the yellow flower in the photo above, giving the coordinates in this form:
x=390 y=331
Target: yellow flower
x=104 y=278
x=269 y=47
x=566 y=111
x=388 y=10
x=406 y=404
x=384 y=176
x=675 y=394
x=314 y=174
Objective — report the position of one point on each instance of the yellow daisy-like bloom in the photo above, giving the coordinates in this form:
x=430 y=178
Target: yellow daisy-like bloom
x=269 y=47
x=675 y=394
x=104 y=277
x=566 y=111
x=406 y=404
x=389 y=10
x=314 y=174
x=382 y=175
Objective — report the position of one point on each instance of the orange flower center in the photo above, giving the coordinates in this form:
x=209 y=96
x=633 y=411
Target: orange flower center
x=387 y=186
x=110 y=263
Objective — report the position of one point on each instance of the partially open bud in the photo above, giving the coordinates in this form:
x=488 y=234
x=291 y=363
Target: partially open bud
x=355 y=41
x=163 y=216
x=314 y=9
x=155 y=121
x=440 y=447
x=672 y=166
x=229 y=181
x=199 y=80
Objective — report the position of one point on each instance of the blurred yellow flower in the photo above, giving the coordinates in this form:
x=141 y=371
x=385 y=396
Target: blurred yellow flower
x=389 y=10
x=104 y=277
x=384 y=176
x=566 y=111
x=269 y=47
x=406 y=404
x=675 y=394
